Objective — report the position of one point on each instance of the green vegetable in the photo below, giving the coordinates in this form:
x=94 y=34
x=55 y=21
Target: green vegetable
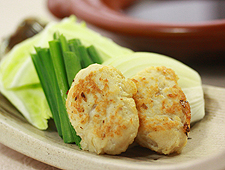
x=85 y=58
x=73 y=44
x=63 y=86
x=30 y=100
x=70 y=59
x=93 y=53
x=64 y=44
x=59 y=67
x=73 y=66
x=51 y=70
x=189 y=80
x=17 y=68
x=44 y=67
x=18 y=76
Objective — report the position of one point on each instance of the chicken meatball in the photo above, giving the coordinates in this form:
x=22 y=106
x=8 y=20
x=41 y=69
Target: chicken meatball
x=102 y=110
x=163 y=110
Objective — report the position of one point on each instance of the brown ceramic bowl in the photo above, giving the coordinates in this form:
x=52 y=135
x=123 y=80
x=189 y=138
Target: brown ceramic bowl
x=184 y=41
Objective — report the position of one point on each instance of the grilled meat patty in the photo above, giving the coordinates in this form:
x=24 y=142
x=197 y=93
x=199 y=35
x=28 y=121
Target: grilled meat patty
x=164 y=112
x=102 y=110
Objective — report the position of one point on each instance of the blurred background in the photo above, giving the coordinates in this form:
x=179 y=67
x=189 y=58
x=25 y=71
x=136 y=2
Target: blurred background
x=13 y=12
x=212 y=70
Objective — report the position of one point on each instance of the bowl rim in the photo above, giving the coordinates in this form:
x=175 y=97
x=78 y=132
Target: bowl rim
x=100 y=14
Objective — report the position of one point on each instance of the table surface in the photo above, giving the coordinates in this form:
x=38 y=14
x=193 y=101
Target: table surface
x=12 y=12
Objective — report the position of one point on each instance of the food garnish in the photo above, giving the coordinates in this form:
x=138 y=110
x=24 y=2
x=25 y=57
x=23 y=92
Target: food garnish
x=19 y=82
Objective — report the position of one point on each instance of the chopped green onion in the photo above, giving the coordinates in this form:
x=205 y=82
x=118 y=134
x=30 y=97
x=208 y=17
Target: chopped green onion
x=59 y=67
x=45 y=71
x=85 y=58
x=93 y=53
x=64 y=44
x=56 y=36
x=75 y=41
x=73 y=44
x=72 y=63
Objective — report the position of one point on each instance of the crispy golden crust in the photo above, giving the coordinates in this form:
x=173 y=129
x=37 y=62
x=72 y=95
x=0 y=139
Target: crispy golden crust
x=163 y=110
x=102 y=110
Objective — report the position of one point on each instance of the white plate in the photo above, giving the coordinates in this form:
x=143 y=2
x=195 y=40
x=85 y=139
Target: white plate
x=205 y=148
